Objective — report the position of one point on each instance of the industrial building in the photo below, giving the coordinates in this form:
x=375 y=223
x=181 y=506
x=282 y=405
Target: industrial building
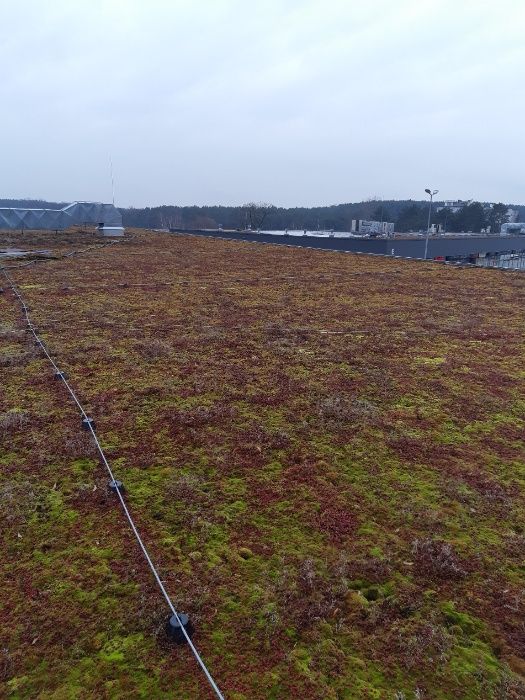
x=372 y=228
x=106 y=216
x=515 y=228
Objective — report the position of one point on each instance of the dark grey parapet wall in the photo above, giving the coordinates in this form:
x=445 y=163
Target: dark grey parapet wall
x=59 y=219
x=405 y=247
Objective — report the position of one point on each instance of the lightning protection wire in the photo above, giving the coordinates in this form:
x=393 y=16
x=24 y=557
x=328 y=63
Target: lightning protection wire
x=118 y=490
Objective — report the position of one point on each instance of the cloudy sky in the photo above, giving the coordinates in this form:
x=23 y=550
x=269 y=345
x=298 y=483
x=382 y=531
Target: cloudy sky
x=296 y=102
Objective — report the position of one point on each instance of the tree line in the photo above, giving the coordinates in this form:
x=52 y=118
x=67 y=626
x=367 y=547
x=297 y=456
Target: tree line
x=407 y=215
x=471 y=217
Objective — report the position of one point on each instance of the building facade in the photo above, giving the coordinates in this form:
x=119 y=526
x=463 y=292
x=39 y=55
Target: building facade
x=76 y=213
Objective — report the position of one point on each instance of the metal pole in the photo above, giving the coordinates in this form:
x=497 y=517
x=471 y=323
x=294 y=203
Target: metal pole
x=428 y=224
x=112 y=180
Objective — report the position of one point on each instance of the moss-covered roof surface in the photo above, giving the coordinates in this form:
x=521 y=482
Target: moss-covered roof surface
x=323 y=452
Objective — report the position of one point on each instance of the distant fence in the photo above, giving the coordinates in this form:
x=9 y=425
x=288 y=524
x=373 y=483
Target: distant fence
x=506 y=261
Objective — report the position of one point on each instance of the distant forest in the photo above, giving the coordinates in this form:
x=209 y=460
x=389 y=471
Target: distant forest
x=407 y=215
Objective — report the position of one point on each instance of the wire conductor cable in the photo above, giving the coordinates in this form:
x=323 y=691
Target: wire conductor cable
x=118 y=489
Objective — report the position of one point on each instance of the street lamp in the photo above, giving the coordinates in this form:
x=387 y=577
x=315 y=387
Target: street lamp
x=431 y=193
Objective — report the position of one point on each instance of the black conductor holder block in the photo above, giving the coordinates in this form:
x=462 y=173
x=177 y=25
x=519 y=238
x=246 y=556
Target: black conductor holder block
x=116 y=485
x=88 y=423
x=174 y=628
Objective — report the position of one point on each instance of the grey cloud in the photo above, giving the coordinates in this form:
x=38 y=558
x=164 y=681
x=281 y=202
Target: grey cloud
x=295 y=102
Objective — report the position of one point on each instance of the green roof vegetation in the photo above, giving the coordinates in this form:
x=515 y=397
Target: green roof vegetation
x=323 y=452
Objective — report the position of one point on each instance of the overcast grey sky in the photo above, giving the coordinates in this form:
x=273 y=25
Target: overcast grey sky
x=296 y=102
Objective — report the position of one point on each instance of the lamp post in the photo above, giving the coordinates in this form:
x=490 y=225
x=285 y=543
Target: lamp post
x=431 y=193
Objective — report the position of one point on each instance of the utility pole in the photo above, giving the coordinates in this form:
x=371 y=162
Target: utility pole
x=431 y=193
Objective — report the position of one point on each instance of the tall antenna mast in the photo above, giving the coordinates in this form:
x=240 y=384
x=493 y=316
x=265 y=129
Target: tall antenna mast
x=112 y=180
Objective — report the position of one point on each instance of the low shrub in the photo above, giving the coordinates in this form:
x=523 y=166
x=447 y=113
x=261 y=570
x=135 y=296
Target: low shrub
x=339 y=410
x=436 y=559
x=12 y=421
